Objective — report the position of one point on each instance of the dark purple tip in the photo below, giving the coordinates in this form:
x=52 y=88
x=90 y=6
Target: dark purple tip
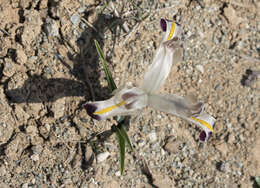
x=203 y=136
x=91 y=108
x=163 y=25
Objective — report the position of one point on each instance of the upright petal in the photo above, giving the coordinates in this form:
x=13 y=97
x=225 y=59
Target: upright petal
x=185 y=108
x=170 y=28
x=169 y=52
x=125 y=102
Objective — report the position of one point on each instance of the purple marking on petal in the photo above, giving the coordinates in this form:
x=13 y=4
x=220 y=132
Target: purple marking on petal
x=128 y=95
x=210 y=134
x=91 y=108
x=203 y=136
x=163 y=25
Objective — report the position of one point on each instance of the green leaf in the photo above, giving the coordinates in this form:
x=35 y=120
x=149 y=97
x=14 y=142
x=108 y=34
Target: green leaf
x=125 y=135
x=110 y=80
x=120 y=130
x=121 y=142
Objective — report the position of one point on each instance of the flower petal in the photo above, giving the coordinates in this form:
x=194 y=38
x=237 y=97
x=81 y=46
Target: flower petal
x=185 y=108
x=163 y=24
x=168 y=53
x=206 y=122
x=125 y=102
x=170 y=28
x=176 y=105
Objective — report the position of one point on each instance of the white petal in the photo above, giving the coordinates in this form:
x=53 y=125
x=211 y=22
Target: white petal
x=206 y=122
x=172 y=30
x=176 y=105
x=185 y=108
x=169 y=52
x=125 y=102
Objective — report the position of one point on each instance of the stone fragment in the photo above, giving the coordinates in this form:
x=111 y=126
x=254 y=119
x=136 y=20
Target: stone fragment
x=51 y=27
x=102 y=156
x=231 y=15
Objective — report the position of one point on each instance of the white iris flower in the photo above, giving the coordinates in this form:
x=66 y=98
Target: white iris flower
x=129 y=100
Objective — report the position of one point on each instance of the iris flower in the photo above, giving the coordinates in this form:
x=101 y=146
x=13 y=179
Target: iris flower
x=129 y=100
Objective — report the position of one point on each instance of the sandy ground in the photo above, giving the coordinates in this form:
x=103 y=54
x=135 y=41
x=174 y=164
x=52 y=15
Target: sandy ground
x=49 y=67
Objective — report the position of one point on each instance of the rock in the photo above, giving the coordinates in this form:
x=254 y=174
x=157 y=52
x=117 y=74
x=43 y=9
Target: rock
x=52 y=28
x=153 y=136
x=14 y=88
x=32 y=130
x=118 y=173
x=163 y=181
x=75 y=18
x=58 y=108
x=17 y=146
x=172 y=146
x=21 y=114
x=35 y=157
x=9 y=15
x=82 y=9
x=2 y=170
x=9 y=68
x=89 y=155
x=32 y=27
x=21 y=57
x=230 y=14
x=7 y=122
x=25 y=185
x=37 y=149
x=24 y=4
x=102 y=156
x=200 y=68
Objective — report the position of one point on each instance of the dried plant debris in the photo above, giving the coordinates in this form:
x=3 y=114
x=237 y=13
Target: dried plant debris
x=250 y=77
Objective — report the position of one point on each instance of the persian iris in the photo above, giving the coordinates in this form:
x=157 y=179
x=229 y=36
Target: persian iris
x=129 y=100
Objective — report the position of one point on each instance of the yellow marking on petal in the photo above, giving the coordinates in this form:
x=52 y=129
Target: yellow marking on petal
x=171 y=31
x=203 y=123
x=108 y=109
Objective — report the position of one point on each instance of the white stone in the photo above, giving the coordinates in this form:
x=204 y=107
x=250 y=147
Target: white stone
x=35 y=157
x=118 y=173
x=200 y=68
x=102 y=156
x=153 y=136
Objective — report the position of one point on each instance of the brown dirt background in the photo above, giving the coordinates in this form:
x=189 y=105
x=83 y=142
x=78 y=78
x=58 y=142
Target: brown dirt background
x=49 y=67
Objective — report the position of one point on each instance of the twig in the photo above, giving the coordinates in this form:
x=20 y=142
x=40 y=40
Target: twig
x=5 y=32
x=130 y=34
x=89 y=24
x=125 y=26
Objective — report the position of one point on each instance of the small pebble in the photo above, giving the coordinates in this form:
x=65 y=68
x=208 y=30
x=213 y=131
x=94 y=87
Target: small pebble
x=35 y=157
x=75 y=19
x=102 y=157
x=81 y=9
x=52 y=28
x=200 y=68
x=153 y=136
x=118 y=173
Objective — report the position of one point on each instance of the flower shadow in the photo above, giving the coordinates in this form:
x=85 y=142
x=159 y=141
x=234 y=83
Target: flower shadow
x=38 y=88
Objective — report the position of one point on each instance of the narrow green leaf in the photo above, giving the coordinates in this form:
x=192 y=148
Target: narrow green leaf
x=125 y=135
x=110 y=80
x=121 y=142
x=120 y=130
